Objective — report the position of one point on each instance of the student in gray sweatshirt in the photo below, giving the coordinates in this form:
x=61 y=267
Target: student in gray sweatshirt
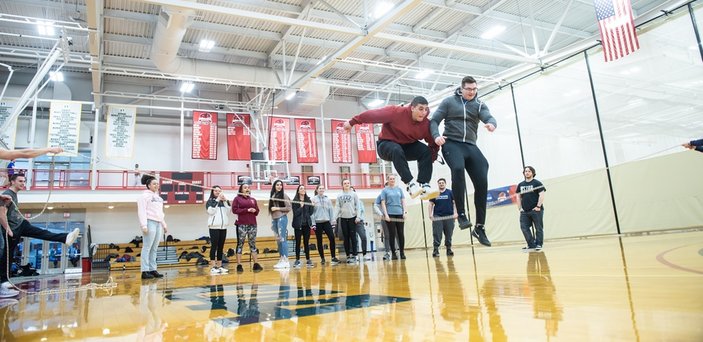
x=322 y=218
x=348 y=212
x=461 y=114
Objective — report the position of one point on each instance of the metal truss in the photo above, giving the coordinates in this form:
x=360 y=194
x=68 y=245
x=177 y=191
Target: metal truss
x=113 y=70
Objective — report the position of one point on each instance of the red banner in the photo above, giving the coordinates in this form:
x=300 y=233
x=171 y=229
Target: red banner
x=305 y=140
x=238 y=136
x=204 y=135
x=279 y=138
x=365 y=143
x=341 y=143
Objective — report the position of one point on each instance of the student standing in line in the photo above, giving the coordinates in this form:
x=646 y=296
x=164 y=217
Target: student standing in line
x=393 y=207
x=151 y=218
x=442 y=214
x=217 y=207
x=302 y=222
x=530 y=197
x=279 y=206
x=360 y=229
x=246 y=209
x=348 y=213
x=323 y=216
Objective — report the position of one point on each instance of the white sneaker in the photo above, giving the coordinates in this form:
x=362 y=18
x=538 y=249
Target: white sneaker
x=286 y=264
x=8 y=293
x=223 y=270
x=72 y=236
x=428 y=192
x=7 y=285
x=279 y=265
x=414 y=190
x=214 y=271
x=367 y=257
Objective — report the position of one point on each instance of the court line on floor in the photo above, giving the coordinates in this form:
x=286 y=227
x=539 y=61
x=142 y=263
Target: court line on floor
x=662 y=260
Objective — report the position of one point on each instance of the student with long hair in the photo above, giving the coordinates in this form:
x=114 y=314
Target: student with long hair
x=246 y=209
x=349 y=213
x=150 y=209
x=323 y=216
x=279 y=206
x=217 y=207
x=302 y=221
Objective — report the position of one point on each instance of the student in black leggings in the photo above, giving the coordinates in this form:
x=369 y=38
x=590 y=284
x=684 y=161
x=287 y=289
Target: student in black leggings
x=302 y=221
x=323 y=216
x=217 y=207
x=461 y=114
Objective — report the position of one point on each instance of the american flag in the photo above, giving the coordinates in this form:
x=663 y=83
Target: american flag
x=617 y=28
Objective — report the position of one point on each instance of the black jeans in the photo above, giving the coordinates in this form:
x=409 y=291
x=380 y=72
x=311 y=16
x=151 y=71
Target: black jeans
x=217 y=243
x=349 y=231
x=28 y=230
x=401 y=154
x=361 y=231
x=396 y=228
x=462 y=157
x=303 y=232
x=527 y=218
x=324 y=228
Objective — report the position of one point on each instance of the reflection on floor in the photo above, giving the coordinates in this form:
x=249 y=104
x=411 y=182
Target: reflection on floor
x=609 y=288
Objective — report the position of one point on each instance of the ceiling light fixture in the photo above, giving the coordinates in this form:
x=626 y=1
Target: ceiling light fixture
x=424 y=74
x=381 y=9
x=111 y=207
x=206 y=45
x=46 y=28
x=56 y=76
x=291 y=95
x=493 y=32
x=187 y=87
x=376 y=103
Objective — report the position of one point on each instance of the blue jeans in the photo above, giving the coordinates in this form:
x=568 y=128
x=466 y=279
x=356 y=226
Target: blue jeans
x=150 y=245
x=280 y=228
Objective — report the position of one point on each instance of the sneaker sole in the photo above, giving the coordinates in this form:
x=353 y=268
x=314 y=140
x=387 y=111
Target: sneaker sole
x=430 y=195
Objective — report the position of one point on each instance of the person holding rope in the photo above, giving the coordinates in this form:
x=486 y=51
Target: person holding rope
x=348 y=212
x=279 y=206
x=442 y=214
x=16 y=227
x=302 y=221
x=217 y=207
x=530 y=197
x=323 y=216
x=694 y=145
x=399 y=142
x=461 y=113
x=150 y=209
x=393 y=208
x=246 y=209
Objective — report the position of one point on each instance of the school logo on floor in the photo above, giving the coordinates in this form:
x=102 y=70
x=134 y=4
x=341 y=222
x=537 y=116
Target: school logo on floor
x=235 y=305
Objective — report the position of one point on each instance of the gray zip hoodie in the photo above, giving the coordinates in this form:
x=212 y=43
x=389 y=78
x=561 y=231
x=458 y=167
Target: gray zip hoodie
x=460 y=117
x=323 y=209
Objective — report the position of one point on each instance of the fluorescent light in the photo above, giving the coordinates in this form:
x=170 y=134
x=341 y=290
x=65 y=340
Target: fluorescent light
x=46 y=28
x=376 y=103
x=321 y=59
x=206 y=45
x=50 y=208
x=56 y=76
x=381 y=9
x=111 y=207
x=187 y=87
x=424 y=74
x=291 y=95
x=493 y=32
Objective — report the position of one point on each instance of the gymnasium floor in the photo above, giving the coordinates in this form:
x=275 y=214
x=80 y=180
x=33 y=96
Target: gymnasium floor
x=635 y=288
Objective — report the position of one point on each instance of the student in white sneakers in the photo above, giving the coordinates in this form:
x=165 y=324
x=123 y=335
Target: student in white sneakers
x=218 y=208
x=279 y=206
x=16 y=227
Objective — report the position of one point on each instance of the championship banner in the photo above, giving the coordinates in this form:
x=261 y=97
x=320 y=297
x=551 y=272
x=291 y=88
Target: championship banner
x=238 y=136
x=120 y=131
x=306 y=140
x=341 y=143
x=365 y=143
x=6 y=108
x=64 y=126
x=204 y=135
x=279 y=139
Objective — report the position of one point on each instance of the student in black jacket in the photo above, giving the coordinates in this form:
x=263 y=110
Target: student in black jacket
x=302 y=221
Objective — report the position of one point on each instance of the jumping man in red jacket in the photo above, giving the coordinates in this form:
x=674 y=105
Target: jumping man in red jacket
x=399 y=142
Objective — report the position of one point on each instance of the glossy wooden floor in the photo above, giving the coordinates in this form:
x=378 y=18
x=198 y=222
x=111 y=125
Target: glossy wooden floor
x=639 y=288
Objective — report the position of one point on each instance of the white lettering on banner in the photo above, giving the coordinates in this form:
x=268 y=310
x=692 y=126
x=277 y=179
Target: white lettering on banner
x=64 y=126
x=8 y=137
x=121 y=123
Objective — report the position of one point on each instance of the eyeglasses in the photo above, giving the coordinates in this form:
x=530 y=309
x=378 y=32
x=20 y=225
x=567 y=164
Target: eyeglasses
x=470 y=89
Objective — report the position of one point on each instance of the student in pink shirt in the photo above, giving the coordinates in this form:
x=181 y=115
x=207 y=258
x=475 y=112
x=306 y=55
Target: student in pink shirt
x=150 y=208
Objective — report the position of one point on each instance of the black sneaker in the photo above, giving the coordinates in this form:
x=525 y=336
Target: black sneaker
x=257 y=267
x=450 y=252
x=435 y=253
x=538 y=247
x=240 y=269
x=156 y=274
x=147 y=275
x=322 y=262
x=394 y=256
x=480 y=233
x=334 y=262
x=464 y=222
x=402 y=256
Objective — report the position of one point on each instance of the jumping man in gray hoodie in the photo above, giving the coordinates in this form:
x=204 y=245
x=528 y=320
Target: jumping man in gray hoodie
x=461 y=113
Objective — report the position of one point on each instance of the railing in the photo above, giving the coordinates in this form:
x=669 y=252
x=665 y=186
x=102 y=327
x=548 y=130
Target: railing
x=128 y=180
